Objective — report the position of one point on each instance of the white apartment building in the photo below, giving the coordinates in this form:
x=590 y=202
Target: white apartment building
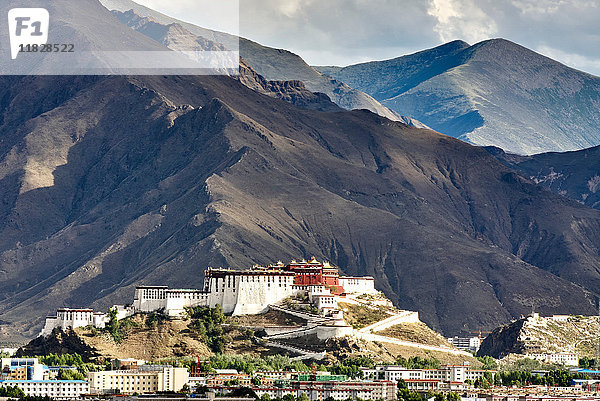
x=146 y=379
x=560 y=358
x=424 y=379
x=22 y=369
x=466 y=343
x=339 y=390
x=56 y=389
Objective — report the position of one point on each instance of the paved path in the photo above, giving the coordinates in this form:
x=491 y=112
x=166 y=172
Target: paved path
x=384 y=339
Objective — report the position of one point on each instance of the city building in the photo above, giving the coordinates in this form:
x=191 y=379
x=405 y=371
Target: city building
x=23 y=369
x=466 y=343
x=316 y=385
x=425 y=379
x=317 y=390
x=559 y=358
x=126 y=364
x=55 y=389
x=223 y=377
x=145 y=379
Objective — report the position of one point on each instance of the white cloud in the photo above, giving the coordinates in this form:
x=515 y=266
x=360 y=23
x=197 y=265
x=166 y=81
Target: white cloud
x=221 y=15
x=461 y=19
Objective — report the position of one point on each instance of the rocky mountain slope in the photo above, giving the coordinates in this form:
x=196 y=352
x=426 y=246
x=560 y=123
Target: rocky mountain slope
x=109 y=182
x=272 y=64
x=575 y=175
x=492 y=93
x=536 y=334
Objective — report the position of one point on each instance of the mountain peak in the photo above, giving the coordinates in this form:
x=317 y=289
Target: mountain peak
x=454 y=45
x=495 y=92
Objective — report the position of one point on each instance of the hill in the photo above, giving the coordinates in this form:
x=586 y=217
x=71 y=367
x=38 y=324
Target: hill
x=154 y=337
x=545 y=335
x=490 y=93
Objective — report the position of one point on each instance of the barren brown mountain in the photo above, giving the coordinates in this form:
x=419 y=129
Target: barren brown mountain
x=115 y=181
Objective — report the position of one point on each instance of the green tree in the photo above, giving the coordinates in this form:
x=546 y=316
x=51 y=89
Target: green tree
x=488 y=362
x=11 y=392
x=482 y=382
x=302 y=397
x=207 y=323
x=416 y=362
x=453 y=397
x=67 y=374
x=408 y=395
x=587 y=363
x=114 y=326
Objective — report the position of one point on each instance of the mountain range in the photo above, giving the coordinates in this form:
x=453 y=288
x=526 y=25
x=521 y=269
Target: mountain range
x=272 y=64
x=112 y=182
x=494 y=93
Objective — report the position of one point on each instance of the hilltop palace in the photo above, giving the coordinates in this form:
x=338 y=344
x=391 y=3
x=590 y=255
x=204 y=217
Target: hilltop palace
x=239 y=292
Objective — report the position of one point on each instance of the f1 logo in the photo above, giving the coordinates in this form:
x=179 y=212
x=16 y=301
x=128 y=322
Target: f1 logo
x=28 y=26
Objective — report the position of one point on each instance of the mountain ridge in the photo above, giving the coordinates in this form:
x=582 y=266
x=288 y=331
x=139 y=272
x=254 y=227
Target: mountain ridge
x=487 y=94
x=272 y=64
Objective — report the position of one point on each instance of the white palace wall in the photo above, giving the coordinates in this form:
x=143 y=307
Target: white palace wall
x=243 y=294
x=71 y=318
x=237 y=293
x=358 y=285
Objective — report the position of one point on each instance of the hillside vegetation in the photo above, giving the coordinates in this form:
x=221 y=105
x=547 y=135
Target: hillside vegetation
x=544 y=335
x=359 y=316
x=416 y=332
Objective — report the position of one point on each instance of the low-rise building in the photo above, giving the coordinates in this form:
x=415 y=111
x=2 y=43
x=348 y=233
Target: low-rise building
x=55 y=389
x=466 y=343
x=338 y=390
x=224 y=377
x=23 y=369
x=145 y=379
x=126 y=364
x=424 y=379
x=560 y=358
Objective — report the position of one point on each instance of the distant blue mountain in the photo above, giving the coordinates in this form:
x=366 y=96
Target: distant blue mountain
x=492 y=93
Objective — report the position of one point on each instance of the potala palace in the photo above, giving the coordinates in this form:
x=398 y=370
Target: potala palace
x=239 y=292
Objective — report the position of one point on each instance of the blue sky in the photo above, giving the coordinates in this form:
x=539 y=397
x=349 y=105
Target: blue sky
x=342 y=32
